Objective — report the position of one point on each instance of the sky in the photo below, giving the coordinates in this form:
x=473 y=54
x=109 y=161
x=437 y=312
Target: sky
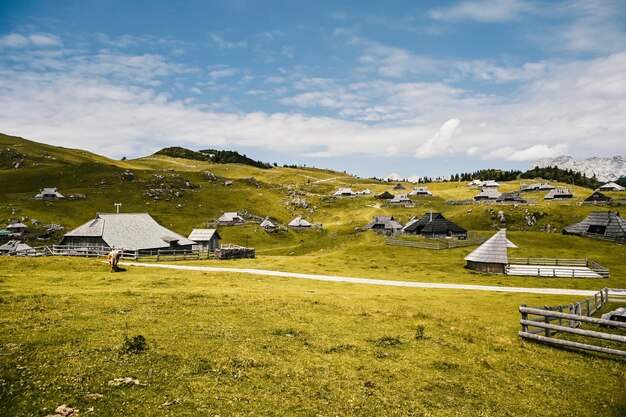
x=419 y=88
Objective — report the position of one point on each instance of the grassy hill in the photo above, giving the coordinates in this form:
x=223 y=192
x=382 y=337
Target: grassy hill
x=230 y=344
x=187 y=193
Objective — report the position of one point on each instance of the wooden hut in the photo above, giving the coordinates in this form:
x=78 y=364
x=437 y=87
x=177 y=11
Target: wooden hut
x=206 y=240
x=14 y=247
x=399 y=187
x=488 y=194
x=385 y=225
x=597 y=198
x=434 y=225
x=559 y=193
x=510 y=198
x=267 y=225
x=602 y=224
x=385 y=196
x=299 y=224
x=49 y=194
x=420 y=192
x=17 y=229
x=400 y=199
x=230 y=219
x=611 y=186
x=492 y=255
x=344 y=192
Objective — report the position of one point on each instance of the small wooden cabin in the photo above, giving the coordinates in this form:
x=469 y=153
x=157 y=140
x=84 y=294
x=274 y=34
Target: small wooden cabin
x=206 y=240
x=491 y=256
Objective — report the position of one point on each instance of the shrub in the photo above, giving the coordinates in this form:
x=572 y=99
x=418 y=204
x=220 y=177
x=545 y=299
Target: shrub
x=419 y=332
x=137 y=344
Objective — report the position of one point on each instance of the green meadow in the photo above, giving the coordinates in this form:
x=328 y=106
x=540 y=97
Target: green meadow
x=227 y=344
x=231 y=344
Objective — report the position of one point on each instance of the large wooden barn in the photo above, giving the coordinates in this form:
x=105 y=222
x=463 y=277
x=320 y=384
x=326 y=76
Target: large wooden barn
x=491 y=256
x=128 y=231
x=434 y=225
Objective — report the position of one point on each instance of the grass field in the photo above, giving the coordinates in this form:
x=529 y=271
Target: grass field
x=228 y=344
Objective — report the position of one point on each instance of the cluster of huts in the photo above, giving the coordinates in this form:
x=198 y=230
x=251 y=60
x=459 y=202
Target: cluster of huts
x=140 y=232
x=404 y=199
x=432 y=225
x=489 y=192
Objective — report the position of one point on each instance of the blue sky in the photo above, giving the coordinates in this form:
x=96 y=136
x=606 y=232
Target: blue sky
x=413 y=87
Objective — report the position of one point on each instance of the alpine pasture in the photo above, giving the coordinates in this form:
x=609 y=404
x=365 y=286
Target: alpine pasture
x=238 y=344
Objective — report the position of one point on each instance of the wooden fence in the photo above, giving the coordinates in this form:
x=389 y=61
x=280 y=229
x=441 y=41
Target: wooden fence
x=566 y=267
x=435 y=244
x=542 y=324
x=103 y=251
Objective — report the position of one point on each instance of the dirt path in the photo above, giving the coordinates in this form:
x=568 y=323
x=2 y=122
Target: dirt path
x=369 y=281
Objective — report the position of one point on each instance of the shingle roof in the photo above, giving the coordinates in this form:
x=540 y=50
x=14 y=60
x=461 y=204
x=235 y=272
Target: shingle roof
x=399 y=199
x=386 y=196
x=515 y=197
x=299 y=222
x=559 y=192
x=433 y=223
x=387 y=223
x=399 y=187
x=490 y=183
x=614 y=223
x=49 y=191
x=611 y=186
x=493 y=251
x=230 y=217
x=488 y=194
x=597 y=196
x=14 y=246
x=344 y=191
x=16 y=226
x=133 y=231
x=420 y=191
x=267 y=223
x=203 y=235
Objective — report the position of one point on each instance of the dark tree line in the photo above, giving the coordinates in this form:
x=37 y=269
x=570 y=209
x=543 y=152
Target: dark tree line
x=567 y=176
x=213 y=155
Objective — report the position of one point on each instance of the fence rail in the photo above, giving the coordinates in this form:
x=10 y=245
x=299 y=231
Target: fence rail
x=542 y=324
x=103 y=251
x=435 y=244
x=575 y=268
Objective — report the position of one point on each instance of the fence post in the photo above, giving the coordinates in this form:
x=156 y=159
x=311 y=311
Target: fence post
x=158 y=255
x=524 y=317
x=560 y=318
x=546 y=319
x=588 y=309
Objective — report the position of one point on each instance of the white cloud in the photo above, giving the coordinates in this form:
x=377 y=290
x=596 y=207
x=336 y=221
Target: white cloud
x=441 y=142
x=592 y=26
x=117 y=104
x=42 y=40
x=222 y=73
x=486 y=11
x=224 y=44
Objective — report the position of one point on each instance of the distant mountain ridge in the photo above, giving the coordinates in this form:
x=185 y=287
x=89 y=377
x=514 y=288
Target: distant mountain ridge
x=605 y=169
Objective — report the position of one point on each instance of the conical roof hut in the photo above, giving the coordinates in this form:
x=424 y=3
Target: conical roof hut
x=492 y=255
